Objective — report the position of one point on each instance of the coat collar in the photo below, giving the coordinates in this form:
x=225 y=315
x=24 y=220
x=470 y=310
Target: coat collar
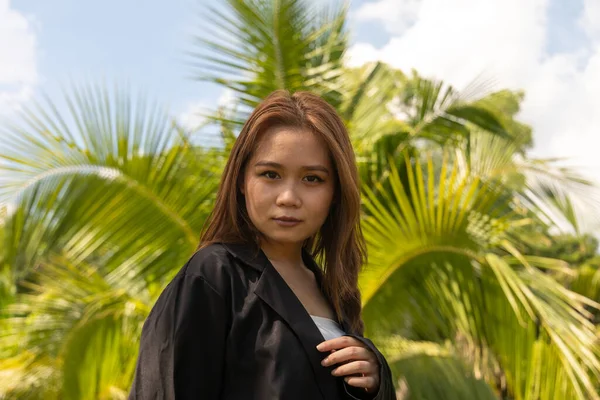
x=253 y=256
x=248 y=253
x=274 y=291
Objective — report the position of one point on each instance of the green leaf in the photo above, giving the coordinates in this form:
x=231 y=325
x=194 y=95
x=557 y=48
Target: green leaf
x=260 y=46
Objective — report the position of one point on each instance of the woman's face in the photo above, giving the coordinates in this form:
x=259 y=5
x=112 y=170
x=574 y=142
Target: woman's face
x=288 y=185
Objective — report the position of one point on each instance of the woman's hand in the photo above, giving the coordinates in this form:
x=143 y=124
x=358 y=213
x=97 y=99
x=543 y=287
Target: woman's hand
x=357 y=363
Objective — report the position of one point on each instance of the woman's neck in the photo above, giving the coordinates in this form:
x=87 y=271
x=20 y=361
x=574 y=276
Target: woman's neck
x=289 y=255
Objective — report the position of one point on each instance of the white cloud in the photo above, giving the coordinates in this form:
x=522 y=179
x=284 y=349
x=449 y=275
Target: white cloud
x=590 y=17
x=192 y=117
x=18 y=73
x=227 y=99
x=458 y=40
x=397 y=16
x=562 y=104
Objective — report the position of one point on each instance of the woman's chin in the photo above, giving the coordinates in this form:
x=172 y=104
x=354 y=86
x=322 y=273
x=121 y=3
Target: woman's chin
x=288 y=238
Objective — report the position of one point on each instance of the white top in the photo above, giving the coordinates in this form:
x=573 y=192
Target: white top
x=328 y=327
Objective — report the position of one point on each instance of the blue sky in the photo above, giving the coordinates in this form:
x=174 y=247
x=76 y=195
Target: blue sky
x=143 y=43
x=127 y=41
x=550 y=48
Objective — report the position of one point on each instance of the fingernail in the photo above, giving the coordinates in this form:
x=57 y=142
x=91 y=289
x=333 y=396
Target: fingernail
x=334 y=372
x=320 y=347
x=324 y=362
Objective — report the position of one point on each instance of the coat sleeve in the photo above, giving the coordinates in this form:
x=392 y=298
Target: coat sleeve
x=386 y=384
x=182 y=343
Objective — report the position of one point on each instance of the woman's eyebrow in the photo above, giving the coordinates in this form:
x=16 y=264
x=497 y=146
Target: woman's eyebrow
x=272 y=164
x=268 y=164
x=316 y=168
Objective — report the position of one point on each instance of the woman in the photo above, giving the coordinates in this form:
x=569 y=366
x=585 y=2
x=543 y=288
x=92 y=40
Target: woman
x=251 y=315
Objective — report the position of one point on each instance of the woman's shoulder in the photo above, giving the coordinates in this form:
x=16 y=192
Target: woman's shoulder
x=219 y=262
x=215 y=252
x=208 y=262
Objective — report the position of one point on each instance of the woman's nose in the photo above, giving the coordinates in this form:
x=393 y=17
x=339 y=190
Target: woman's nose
x=289 y=197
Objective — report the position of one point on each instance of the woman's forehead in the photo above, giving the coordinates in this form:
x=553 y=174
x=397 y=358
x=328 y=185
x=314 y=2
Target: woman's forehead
x=291 y=146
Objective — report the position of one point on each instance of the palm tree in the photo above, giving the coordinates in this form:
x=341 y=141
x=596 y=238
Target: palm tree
x=107 y=202
x=445 y=267
x=444 y=231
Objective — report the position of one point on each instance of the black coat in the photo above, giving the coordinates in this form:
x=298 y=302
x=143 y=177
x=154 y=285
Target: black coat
x=229 y=327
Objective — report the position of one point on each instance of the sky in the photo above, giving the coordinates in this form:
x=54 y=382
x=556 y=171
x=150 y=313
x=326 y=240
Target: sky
x=548 y=48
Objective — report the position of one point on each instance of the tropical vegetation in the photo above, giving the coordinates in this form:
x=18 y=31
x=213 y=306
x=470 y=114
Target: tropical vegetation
x=481 y=281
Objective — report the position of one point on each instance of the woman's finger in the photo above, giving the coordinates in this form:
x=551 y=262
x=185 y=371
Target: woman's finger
x=351 y=353
x=339 y=343
x=355 y=367
x=367 y=382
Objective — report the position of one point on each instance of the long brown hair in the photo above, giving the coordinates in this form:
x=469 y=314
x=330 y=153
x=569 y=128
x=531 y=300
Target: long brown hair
x=339 y=245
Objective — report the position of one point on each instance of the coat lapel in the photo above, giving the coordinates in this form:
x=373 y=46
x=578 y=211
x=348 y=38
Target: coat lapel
x=274 y=291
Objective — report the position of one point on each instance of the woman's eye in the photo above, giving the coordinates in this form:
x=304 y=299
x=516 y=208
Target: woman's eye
x=313 y=179
x=270 y=174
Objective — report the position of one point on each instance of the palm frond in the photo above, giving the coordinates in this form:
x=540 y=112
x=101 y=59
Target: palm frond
x=445 y=378
x=428 y=370
x=367 y=93
x=562 y=195
x=255 y=47
x=76 y=327
x=439 y=112
x=439 y=267
x=78 y=181
x=557 y=195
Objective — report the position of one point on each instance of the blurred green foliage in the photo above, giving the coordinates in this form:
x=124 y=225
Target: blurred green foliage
x=470 y=291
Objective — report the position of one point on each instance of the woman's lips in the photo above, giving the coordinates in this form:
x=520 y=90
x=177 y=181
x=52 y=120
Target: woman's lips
x=287 y=221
